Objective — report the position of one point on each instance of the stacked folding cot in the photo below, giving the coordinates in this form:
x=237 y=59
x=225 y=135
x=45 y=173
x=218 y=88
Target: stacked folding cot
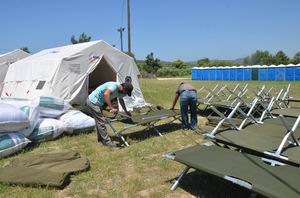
x=264 y=158
x=242 y=110
x=149 y=119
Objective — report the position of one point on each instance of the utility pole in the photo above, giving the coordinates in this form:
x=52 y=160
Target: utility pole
x=128 y=28
x=121 y=35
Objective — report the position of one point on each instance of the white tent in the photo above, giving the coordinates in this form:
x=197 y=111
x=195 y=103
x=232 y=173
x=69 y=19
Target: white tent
x=7 y=59
x=69 y=72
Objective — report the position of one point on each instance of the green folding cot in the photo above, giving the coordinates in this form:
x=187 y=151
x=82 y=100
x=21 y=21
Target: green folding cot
x=277 y=140
x=148 y=119
x=243 y=169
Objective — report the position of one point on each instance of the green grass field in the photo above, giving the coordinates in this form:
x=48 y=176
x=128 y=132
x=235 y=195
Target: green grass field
x=138 y=170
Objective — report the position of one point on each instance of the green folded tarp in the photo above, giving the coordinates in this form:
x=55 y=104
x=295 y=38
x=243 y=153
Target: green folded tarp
x=46 y=169
x=244 y=169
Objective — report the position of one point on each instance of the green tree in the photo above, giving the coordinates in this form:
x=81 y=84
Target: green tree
x=82 y=38
x=281 y=58
x=259 y=58
x=25 y=49
x=203 y=62
x=296 y=58
x=179 y=64
x=152 y=63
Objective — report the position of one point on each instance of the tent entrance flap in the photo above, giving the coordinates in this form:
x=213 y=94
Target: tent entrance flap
x=103 y=72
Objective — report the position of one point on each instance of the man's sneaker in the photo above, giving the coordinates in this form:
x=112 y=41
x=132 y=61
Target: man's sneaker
x=111 y=144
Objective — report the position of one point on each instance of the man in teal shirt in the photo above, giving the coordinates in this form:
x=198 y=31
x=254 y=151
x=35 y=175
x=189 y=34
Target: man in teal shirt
x=104 y=94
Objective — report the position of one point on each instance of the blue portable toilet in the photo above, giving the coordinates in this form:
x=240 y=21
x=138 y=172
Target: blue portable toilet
x=219 y=74
x=194 y=74
x=290 y=72
x=272 y=72
x=297 y=72
x=200 y=74
x=226 y=73
x=247 y=73
x=232 y=71
x=205 y=73
x=212 y=73
x=240 y=73
x=263 y=72
x=280 y=72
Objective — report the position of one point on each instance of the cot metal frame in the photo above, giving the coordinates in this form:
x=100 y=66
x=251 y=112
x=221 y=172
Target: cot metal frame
x=149 y=125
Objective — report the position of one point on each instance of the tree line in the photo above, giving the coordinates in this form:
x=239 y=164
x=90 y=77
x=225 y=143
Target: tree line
x=260 y=57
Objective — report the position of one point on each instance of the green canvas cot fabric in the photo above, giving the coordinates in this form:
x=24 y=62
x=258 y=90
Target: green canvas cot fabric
x=45 y=169
x=153 y=116
x=289 y=112
x=145 y=118
x=261 y=138
x=271 y=181
x=290 y=121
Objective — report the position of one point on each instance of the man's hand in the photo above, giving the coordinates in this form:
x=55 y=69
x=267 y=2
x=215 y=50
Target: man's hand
x=114 y=111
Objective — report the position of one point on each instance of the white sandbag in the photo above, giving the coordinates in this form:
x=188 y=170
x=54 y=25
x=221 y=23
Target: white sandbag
x=29 y=109
x=51 y=107
x=12 y=118
x=11 y=143
x=47 y=129
x=76 y=122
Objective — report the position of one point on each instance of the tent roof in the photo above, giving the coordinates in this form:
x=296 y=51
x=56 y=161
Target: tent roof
x=68 y=51
x=13 y=56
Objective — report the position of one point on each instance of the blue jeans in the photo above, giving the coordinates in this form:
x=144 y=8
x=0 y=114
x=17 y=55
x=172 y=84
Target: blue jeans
x=188 y=99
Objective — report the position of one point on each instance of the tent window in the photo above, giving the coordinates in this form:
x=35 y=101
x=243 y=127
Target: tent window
x=40 y=85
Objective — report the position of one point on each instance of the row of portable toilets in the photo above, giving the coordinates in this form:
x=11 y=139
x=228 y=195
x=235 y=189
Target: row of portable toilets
x=281 y=72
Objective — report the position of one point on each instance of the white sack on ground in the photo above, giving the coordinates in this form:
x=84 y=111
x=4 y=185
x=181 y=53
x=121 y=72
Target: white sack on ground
x=51 y=107
x=12 y=118
x=29 y=109
x=76 y=122
x=47 y=129
x=11 y=143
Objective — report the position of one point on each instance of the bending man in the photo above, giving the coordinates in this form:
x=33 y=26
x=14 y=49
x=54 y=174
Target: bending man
x=188 y=99
x=104 y=94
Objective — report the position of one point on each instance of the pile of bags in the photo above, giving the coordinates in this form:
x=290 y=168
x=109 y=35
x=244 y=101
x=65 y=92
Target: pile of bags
x=44 y=118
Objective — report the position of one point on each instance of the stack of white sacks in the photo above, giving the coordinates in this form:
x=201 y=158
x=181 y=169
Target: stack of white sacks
x=44 y=118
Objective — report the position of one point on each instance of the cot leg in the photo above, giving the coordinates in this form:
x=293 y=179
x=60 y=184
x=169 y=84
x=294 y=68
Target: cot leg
x=123 y=139
x=118 y=134
x=183 y=173
x=156 y=130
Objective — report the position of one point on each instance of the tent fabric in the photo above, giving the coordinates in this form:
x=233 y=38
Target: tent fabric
x=271 y=181
x=6 y=60
x=51 y=169
x=66 y=72
x=13 y=56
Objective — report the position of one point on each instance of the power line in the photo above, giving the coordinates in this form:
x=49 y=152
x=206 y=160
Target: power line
x=122 y=16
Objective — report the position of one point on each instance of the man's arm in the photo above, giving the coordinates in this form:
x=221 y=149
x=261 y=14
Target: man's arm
x=107 y=94
x=175 y=101
x=124 y=106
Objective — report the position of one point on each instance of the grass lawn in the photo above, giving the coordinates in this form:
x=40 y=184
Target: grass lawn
x=138 y=170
